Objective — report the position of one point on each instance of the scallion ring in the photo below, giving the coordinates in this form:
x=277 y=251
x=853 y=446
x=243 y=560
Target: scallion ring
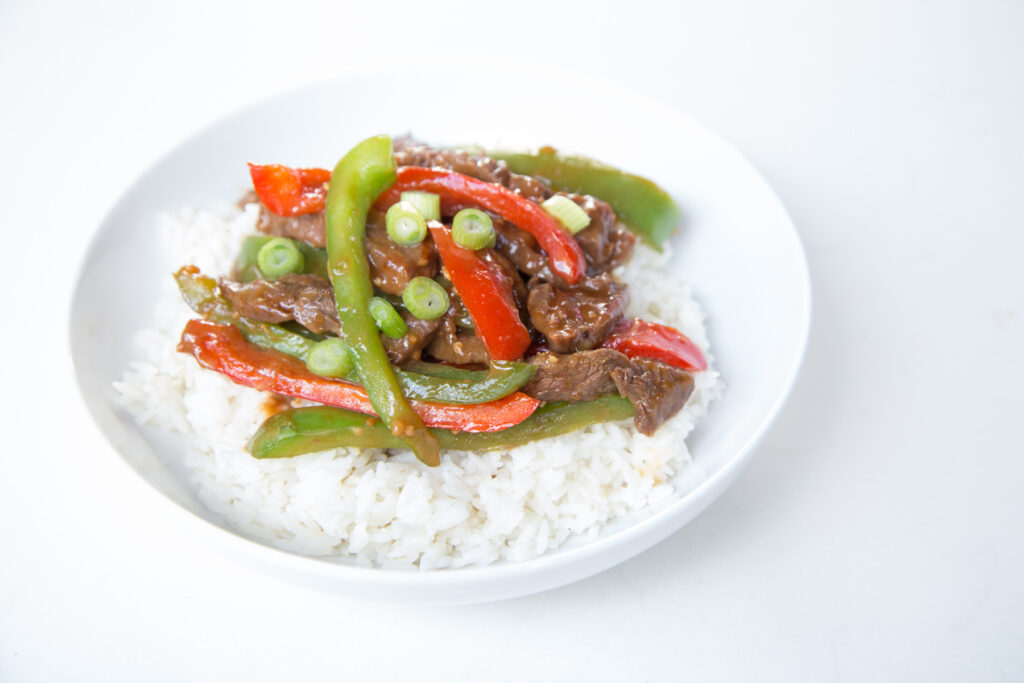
x=427 y=203
x=567 y=212
x=473 y=229
x=329 y=358
x=387 y=318
x=406 y=225
x=278 y=257
x=425 y=299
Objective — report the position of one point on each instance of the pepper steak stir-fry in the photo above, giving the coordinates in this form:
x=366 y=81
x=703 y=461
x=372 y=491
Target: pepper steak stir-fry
x=435 y=299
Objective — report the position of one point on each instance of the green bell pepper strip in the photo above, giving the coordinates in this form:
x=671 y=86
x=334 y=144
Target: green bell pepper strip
x=246 y=269
x=420 y=380
x=307 y=430
x=647 y=209
x=367 y=170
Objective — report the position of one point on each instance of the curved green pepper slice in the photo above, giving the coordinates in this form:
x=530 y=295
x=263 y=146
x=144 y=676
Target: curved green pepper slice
x=307 y=430
x=646 y=208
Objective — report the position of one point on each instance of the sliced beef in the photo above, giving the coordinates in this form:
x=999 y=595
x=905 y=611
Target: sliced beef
x=309 y=301
x=457 y=346
x=393 y=266
x=309 y=227
x=411 y=346
x=306 y=299
x=519 y=292
x=522 y=250
x=408 y=152
x=657 y=391
x=577 y=318
x=576 y=376
x=604 y=242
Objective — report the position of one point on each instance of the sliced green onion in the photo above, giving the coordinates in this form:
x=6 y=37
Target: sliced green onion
x=278 y=257
x=406 y=225
x=473 y=229
x=387 y=318
x=329 y=358
x=427 y=203
x=567 y=212
x=425 y=299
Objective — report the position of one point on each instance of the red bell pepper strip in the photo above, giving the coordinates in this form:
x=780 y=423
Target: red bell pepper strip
x=641 y=339
x=290 y=191
x=457 y=190
x=486 y=292
x=224 y=349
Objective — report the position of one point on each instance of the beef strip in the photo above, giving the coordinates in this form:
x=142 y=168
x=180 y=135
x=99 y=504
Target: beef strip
x=519 y=291
x=605 y=243
x=657 y=391
x=522 y=250
x=410 y=346
x=309 y=301
x=308 y=227
x=393 y=266
x=456 y=346
x=408 y=152
x=580 y=376
x=577 y=318
x=306 y=299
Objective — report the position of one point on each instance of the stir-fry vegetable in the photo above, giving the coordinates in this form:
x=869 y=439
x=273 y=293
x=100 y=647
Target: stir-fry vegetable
x=425 y=299
x=278 y=257
x=329 y=358
x=569 y=213
x=223 y=349
x=306 y=430
x=642 y=205
x=458 y=191
x=641 y=339
x=358 y=180
x=290 y=191
x=473 y=229
x=487 y=294
x=427 y=203
x=247 y=269
x=405 y=224
x=386 y=317
x=419 y=380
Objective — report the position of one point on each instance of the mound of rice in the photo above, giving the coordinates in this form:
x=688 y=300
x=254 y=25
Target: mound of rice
x=385 y=508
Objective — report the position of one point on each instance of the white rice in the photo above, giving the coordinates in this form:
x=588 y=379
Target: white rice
x=388 y=509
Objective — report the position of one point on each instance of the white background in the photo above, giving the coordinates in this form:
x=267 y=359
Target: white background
x=878 y=533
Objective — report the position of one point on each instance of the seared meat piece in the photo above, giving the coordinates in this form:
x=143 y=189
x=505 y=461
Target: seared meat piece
x=410 y=346
x=411 y=153
x=522 y=250
x=393 y=266
x=519 y=292
x=309 y=227
x=307 y=299
x=657 y=391
x=577 y=318
x=576 y=376
x=459 y=347
x=605 y=243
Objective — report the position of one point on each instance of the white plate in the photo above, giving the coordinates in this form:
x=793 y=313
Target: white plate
x=738 y=249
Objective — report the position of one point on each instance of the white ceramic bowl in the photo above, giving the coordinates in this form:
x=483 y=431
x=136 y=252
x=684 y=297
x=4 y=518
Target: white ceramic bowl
x=737 y=248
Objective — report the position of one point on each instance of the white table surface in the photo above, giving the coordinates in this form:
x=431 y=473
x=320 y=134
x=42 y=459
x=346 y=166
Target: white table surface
x=878 y=533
